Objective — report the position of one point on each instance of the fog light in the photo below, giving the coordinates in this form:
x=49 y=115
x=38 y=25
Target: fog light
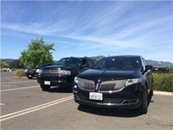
x=75 y=86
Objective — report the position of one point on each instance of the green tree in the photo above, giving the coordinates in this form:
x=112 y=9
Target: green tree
x=171 y=68
x=37 y=53
x=3 y=64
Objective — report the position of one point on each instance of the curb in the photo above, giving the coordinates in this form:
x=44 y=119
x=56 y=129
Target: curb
x=16 y=77
x=163 y=93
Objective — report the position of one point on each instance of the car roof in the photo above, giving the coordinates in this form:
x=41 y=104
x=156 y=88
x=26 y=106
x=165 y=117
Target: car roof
x=124 y=56
x=78 y=57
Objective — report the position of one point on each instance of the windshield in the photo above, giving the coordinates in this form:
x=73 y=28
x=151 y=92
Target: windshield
x=76 y=62
x=120 y=63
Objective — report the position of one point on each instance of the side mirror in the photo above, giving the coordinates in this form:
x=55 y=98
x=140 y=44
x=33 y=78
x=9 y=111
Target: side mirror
x=148 y=67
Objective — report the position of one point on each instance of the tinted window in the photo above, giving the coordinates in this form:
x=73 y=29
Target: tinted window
x=70 y=62
x=120 y=63
x=143 y=63
x=90 y=63
x=84 y=62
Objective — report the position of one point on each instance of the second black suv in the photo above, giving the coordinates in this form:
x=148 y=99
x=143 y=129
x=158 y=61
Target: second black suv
x=63 y=72
x=30 y=73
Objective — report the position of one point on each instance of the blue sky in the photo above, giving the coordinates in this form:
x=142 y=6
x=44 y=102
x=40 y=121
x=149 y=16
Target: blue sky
x=89 y=28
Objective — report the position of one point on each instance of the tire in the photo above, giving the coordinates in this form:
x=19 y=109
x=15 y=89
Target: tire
x=144 y=106
x=151 y=92
x=69 y=88
x=45 y=87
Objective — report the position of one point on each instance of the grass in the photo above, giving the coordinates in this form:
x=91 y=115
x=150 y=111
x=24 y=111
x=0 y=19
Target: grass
x=163 y=82
x=20 y=73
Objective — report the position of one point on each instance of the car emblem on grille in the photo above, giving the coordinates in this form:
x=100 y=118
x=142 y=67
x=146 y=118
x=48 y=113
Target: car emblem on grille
x=98 y=84
x=98 y=81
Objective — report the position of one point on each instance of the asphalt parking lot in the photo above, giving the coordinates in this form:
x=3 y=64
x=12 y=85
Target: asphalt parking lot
x=25 y=106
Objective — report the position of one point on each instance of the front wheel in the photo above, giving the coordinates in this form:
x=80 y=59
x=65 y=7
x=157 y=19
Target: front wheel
x=45 y=87
x=144 y=106
x=151 y=92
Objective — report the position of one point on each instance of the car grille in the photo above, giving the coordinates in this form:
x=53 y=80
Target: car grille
x=50 y=73
x=86 y=84
x=112 y=85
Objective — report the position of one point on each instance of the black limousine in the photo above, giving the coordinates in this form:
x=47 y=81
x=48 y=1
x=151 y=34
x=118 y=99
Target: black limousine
x=119 y=81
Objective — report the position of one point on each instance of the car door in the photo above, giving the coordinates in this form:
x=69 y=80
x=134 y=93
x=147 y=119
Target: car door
x=149 y=76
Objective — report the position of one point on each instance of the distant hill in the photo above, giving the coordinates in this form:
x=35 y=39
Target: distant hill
x=8 y=61
x=96 y=58
x=159 y=63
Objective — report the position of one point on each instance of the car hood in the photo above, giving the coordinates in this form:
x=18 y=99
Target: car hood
x=63 y=67
x=96 y=74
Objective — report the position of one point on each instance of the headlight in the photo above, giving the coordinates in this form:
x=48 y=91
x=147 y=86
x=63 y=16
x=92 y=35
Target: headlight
x=76 y=80
x=64 y=72
x=37 y=70
x=132 y=81
x=26 y=70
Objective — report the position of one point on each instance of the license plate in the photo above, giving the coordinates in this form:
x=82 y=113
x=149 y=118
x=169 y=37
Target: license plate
x=30 y=76
x=46 y=82
x=95 y=96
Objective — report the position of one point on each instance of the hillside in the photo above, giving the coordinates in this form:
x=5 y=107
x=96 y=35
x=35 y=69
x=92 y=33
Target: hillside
x=8 y=61
x=96 y=58
x=159 y=63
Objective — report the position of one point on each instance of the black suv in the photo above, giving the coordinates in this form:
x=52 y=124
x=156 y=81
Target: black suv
x=119 y=81
x=63 y=73
x=30 y=73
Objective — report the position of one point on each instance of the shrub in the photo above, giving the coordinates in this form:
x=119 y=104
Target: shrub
x=20 y=73
x=163 y=82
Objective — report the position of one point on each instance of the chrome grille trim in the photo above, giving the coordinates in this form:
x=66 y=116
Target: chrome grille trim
x=50 y=73
x=86 y=84
x=112 y=85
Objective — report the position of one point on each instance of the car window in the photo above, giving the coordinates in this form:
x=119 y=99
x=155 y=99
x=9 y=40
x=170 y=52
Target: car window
x=84 y=62
x=90 y=63
x=70 y=62
x=143 y=63
x=119 y=63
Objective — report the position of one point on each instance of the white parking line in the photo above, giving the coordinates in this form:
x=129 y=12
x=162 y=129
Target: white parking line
x=14 y=89
x=18 y=81
x=35 y=108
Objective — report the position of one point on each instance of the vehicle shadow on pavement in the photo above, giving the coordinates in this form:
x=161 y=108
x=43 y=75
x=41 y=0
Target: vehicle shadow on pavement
x=112 y=111
x=149 y=100
x=60 y=90
x=109 y=111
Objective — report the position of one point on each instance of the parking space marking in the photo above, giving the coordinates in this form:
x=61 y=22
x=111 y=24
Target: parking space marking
x=35 y=108
x=14 y=89
x=18 y=82
x=2 y=85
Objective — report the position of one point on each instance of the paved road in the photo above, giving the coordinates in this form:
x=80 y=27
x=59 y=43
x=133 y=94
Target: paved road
x=25 y=106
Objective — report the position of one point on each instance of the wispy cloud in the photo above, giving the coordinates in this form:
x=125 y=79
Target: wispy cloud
x=37 y=28
x=113 y=26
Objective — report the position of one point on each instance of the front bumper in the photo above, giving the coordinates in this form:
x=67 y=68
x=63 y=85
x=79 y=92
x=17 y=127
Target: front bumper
x=127 y=98
x=56 y=81
x=31 y=74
